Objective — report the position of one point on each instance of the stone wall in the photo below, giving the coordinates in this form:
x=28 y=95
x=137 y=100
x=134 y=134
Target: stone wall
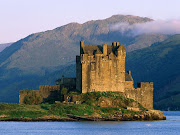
x=45 y=93
x=69 y=83
x=143 y=94
x=24 y=93
x=129 y=85
x=49 y=92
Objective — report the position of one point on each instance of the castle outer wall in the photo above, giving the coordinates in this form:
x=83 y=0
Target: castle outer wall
x=44 y=94
x=142 y=94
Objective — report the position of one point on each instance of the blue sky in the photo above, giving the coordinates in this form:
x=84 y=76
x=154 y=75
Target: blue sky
x=19 y=18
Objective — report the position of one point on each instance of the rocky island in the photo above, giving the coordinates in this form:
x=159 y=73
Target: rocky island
x=93 y=106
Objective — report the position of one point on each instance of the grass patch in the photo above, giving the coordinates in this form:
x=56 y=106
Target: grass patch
x=80 y=110
x=142 y=108
x=29 y=114
x=93 y=103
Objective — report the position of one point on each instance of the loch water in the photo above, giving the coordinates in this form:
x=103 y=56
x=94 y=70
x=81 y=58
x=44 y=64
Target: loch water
x=171 y=126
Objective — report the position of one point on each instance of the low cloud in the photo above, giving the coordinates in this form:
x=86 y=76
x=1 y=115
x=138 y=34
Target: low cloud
x=153 y=27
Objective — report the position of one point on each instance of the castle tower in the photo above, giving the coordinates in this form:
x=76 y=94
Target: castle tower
x=121 y=54
x=101 y=68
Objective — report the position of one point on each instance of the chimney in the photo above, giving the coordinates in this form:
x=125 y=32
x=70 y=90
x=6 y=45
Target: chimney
x=117 y=43
x=81 y=47
x=129 y=72
x=105 y=49
x=113 y=43
x=82 y=43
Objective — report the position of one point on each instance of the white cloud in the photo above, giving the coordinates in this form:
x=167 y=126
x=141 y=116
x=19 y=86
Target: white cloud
x=153 y=27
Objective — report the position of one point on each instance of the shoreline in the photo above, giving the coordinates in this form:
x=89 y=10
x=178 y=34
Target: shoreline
x=151 y=115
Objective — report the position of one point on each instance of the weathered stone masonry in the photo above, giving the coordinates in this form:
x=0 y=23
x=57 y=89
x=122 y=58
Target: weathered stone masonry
x=102 y=68
x=46 y=92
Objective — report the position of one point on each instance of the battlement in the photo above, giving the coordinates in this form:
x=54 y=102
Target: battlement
x=144 y=84
x=26 y=91
x=49 y=87
x=102 y=50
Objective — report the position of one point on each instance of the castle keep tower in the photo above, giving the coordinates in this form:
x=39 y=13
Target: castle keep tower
x=101 y=68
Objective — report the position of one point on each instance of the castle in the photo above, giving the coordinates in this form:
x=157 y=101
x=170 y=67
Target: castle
x=102 y=68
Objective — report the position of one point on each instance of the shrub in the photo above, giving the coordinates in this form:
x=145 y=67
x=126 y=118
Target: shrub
x=64 y=91
x=6 y=106
x=142 y=108
x=27 y=100
x=73 y=93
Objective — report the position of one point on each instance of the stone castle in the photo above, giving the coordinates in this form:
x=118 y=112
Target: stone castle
x=102 y=68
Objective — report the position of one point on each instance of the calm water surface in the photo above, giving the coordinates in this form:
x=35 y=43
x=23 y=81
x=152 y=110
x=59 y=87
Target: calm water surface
x=169 y=127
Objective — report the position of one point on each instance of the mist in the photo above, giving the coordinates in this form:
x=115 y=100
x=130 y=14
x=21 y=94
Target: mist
x=168 y=27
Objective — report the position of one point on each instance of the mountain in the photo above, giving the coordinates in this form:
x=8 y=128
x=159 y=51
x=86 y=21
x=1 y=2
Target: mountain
x=3 y=46
x=159 y=64
x=46 y=51
x=29 y=62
